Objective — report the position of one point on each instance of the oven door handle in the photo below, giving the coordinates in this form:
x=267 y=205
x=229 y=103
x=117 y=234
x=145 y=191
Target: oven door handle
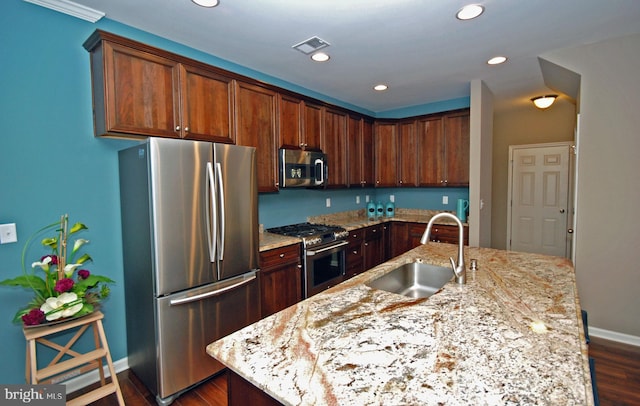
x=321 y=250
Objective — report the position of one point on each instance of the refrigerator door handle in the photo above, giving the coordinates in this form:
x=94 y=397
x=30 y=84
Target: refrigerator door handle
x=213 y=293
x=222 y=212
x=212 y=209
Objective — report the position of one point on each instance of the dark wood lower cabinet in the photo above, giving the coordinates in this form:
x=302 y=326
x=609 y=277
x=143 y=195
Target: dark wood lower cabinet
x=242 y=393
x=280 y=279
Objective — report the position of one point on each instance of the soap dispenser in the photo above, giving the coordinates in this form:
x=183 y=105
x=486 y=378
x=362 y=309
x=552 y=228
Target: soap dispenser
x=391 y=209
x=371 y=210
x=379 y=210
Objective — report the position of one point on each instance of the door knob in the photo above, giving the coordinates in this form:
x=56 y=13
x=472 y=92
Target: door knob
x=561 y=210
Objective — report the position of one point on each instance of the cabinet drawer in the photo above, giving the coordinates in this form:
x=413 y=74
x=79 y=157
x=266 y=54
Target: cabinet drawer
x=279 y=256
x=373 y=232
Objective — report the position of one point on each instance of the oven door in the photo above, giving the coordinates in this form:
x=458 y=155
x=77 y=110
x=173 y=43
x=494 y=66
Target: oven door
x=324 y=267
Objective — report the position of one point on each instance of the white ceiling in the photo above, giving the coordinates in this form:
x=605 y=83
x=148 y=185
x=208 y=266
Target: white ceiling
x=418 y=47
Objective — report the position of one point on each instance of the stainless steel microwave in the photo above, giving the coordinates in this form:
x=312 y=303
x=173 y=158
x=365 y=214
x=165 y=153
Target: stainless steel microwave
x=301 y=168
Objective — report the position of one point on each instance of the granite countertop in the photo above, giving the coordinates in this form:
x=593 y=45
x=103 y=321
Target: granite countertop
x=512 y=335
x=350 y=220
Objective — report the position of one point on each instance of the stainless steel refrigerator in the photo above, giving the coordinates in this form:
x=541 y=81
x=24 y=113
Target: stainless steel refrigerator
x=190 y=249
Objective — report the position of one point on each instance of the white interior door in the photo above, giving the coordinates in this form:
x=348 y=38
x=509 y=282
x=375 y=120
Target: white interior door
x=539 y=212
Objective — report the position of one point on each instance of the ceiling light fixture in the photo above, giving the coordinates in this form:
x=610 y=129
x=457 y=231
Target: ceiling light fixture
x=469 y=12
x=497 y=60
x=381 y=87
x=206 y=3
x=320 y=57
x=544 y=102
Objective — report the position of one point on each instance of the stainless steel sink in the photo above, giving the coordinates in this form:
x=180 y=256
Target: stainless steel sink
x=415 y=279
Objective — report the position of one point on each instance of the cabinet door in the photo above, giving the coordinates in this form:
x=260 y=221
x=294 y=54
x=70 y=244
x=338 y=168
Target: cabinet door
x=414 y=235
x=140 y=95
x=456 y=127
x=354 y=257
x=290 y=124
x=335 y=146
x=430 y=135
x=398 y=243
x=207 y=105
x=280 y=279
x=368 y=178
x=373 y=246
x=386 y=154
x=354 y=151
x=256 y=127
x=407 y=147
x=312 y=126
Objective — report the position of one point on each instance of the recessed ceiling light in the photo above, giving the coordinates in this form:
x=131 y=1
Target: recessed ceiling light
x=497 y=60
x=320 y=57
x=206 y=3
x=381 y=87
x=469 y=12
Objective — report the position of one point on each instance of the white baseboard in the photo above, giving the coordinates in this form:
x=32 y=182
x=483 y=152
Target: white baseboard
x=80 y=381
x=614 y=336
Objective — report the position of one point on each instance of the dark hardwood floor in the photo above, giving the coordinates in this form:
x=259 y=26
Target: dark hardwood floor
x=617 y=379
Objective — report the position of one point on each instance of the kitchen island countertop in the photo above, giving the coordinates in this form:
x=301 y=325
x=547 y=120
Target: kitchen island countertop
x=512 y=335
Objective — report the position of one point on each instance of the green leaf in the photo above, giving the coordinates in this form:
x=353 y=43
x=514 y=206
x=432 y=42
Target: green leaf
x=27 y=281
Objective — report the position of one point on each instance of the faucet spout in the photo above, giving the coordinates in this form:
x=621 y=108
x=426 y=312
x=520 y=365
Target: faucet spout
x=459 y=269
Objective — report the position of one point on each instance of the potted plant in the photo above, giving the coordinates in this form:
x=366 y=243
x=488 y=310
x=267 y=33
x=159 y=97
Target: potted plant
x=63 y=287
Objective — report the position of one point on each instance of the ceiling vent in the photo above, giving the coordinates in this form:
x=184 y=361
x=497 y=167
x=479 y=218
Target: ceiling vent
x=311 y=45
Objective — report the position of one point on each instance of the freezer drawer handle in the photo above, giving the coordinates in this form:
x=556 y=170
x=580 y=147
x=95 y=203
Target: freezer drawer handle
x=213 y=293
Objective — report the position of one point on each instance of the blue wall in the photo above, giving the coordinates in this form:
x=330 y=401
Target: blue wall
x=294 y=206
x=51 y=164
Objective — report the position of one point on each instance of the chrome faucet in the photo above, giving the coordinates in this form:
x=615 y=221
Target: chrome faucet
x=459 y=269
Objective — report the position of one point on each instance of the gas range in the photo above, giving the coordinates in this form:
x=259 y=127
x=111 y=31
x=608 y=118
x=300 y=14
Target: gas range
x=312 y=235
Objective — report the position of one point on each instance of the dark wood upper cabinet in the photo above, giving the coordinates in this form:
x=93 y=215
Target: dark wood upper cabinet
x=407 y=149
x=134 y=93
x=443 y=149
x=430 y=136
x=256 y=127
x=290 y=121
x=334 y=144
x=456 y=128
x=312 y=126
x=207 y=105
x=386 y=153
x=360 y=152
x=141 y=93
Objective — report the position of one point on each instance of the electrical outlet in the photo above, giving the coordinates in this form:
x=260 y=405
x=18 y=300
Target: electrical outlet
x=8 y=233
x=328 y=202
x=445 y=199
x=392 y=198
x=366 y=198
x=357 y=199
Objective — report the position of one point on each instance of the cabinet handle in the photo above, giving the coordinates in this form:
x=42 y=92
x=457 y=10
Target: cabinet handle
x=355 y=252
x=570 y=231
x=186 y=129
x=281 y=255
x=177 y=128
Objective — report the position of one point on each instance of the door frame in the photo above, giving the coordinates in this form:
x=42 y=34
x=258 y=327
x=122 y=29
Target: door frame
x=571 y=189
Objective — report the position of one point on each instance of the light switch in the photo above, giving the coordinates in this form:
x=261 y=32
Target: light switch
x=358 y=199
x=328 y=202
x=445 y=199
x=8 y=233
x=392 y=198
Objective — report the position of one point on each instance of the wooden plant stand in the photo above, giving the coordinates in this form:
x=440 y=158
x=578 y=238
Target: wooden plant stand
x=75 y=363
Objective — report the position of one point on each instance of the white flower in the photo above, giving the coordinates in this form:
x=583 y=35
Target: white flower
x=70 y=268
x=61 y=302
x=44 y=264
x=79 y=243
